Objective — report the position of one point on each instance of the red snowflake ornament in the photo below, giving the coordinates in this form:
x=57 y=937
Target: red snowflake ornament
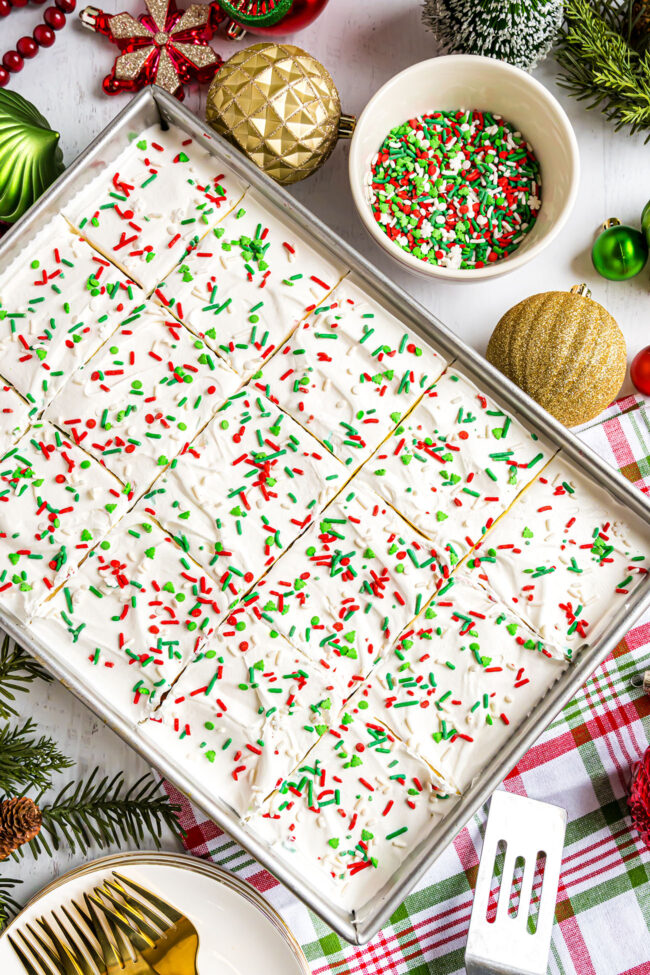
x=166 y=46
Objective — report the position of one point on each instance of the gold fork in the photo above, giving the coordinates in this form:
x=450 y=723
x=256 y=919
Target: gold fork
x=78 y=955
x=166 y=939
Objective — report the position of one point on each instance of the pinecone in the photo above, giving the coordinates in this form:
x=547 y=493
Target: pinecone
x=20 y=822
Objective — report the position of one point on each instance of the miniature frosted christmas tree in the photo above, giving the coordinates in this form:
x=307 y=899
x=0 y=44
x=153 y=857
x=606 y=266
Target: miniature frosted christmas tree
x=518 y=31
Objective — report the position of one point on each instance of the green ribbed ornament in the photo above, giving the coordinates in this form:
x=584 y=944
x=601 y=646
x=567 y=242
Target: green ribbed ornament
x=30 y=156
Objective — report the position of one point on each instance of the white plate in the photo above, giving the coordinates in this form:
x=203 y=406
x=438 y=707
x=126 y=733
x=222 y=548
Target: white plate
x=239 y=934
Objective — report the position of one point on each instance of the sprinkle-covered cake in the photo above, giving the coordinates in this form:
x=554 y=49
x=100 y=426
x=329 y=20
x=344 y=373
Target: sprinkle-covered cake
x=272 y=531
x=152 y=205
x=357 y=804
x=348 y=586
x=349 y=373
x=57 y=505
x=454 y=464
x=59 y=300
x=249 y=283
x=244 y=712
x=565 y=557
x=459 y=679
x=137 y=611
x=240 y=494
x=143 y=396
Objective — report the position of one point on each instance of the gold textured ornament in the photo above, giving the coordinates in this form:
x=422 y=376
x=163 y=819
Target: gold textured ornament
x=279 y=105
x=563 y=349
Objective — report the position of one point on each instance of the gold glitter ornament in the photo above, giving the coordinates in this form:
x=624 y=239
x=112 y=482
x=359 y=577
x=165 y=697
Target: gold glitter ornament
x=564 y=350
x=164 y=46
x=280 y=107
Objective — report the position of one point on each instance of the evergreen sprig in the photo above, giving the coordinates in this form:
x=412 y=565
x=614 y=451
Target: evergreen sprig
x=17 y=672
x=600 y=67
x=8 y=905
x=95 y=810
x=101 y=810
x=26 y=761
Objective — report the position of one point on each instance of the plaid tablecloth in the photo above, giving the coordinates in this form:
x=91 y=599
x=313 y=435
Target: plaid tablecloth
x=583 y=762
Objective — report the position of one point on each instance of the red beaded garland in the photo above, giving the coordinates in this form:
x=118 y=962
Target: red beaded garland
x=54 y=18
x=27 y=47
x=44 y=35
x=13 y=61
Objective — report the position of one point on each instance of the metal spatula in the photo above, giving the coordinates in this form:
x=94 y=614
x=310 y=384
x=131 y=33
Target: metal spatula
x=517 y=937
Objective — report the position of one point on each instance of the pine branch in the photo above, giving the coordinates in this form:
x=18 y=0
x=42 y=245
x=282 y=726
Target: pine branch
x=102 y=811
x=27 y=762
x=600 y=67
x=8 y=905
x=17 y=671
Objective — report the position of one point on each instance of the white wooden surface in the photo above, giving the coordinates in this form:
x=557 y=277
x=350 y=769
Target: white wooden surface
x=362 y=44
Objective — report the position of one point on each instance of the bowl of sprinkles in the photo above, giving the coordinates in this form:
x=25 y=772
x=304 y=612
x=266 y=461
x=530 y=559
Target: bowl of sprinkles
x=464 y=167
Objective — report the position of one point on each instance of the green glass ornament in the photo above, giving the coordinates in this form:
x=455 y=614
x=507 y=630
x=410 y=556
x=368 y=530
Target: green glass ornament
x=30 y=155
x=619 y=252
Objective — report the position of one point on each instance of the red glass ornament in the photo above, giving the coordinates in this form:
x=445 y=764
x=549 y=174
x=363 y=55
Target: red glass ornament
x=54 y=18
x=13 y=61
x=4 y=77
x=44 y=35
x=67 y=6
x=300 y=15
x=174 y=49
x=39 y=3
x=640 y=371
x=5 y=8
x=639 y=800
x=19 y=3
x=27 y=46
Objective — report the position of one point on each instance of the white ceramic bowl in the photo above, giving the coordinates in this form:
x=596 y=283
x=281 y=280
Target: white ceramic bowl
x=465 y=81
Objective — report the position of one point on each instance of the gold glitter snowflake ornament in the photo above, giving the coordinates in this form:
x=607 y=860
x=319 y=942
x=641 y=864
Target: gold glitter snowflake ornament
x=165 y=46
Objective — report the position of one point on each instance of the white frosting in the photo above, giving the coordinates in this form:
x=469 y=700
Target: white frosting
x=349 y=585
x=356 y=806
x=248 y=284
x=15 y=415
x=59 y=300
x=349 y=373
x=148 y=206
x=55 y=505
x=455 y=464
x=563 y=557
x=459 y=679
x=143 y=396
x=133 y=616
x=244 y=713
x=247 y=487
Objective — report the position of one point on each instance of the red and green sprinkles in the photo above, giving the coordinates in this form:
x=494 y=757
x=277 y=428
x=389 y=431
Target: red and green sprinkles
x=458 y=189
x=367 y=797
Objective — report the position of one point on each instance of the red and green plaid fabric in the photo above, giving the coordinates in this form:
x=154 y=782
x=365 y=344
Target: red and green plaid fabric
x=583 y=762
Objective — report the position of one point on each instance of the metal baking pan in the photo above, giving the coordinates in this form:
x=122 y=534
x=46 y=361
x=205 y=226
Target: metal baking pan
x=153 y=105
